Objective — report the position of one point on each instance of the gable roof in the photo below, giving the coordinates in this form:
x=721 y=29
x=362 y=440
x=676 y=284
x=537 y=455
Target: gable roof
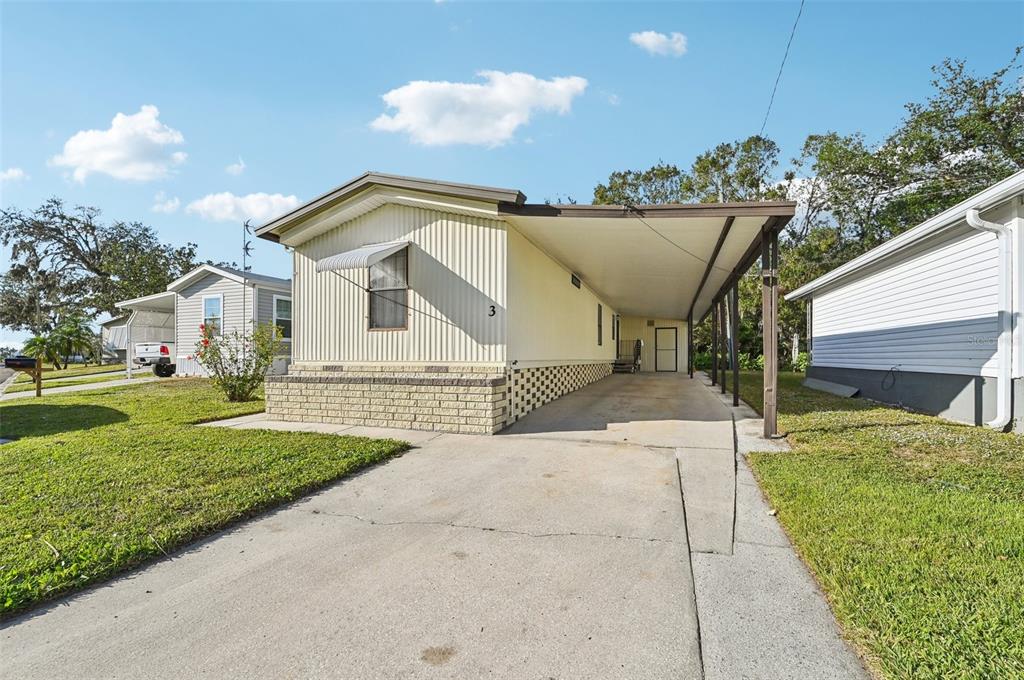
x=231 y=274
x=271 y=230
x=998 y=193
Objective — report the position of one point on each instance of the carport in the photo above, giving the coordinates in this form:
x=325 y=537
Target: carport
x=151 y=320
x=673 y=261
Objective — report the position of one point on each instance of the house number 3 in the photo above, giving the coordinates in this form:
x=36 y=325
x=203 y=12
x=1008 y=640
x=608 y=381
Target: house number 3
x=491 y=311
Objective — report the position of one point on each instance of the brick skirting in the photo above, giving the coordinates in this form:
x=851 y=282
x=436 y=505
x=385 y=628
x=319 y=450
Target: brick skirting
x=465 y=400
x=472 y=400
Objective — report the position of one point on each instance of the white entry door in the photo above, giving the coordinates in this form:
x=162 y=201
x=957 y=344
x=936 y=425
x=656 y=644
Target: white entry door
x=666 y=350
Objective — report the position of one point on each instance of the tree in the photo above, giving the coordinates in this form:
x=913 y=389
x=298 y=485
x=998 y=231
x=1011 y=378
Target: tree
x=64 y=261
x=43 y=347
x=662 y=183
x=737 y=171
x=74 y=337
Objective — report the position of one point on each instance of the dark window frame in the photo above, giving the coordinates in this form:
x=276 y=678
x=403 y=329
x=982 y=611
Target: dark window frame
x=600 y=324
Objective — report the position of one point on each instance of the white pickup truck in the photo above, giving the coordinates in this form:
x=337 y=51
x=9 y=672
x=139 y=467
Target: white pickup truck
x=158 y=355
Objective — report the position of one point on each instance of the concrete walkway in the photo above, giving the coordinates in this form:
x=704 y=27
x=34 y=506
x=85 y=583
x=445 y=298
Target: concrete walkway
x=78 y=388
x=592 y=539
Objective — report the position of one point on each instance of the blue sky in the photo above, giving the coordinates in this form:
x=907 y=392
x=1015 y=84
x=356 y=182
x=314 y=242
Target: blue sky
x=294 y=90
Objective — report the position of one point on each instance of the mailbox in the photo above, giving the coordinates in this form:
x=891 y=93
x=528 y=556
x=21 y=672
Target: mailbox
x=20 y=362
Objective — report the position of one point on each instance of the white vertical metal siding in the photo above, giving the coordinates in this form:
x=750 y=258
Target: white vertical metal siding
x=551 y=322
x=456 y=274
x=636 y=327
x=932 y=310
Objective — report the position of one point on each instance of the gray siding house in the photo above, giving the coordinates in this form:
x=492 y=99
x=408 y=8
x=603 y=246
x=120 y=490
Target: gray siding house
x=932 y=319
x=231 y=299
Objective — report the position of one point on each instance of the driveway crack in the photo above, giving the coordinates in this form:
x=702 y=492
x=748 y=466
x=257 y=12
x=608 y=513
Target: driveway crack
x=456 y=525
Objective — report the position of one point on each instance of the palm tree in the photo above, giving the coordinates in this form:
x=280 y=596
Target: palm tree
x=74 y=336
x=43 y=347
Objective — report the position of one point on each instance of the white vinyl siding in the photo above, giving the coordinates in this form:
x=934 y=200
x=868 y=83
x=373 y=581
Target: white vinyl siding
x=932 y=310
x=189 y=309
x=456 y=276
x=551 y=321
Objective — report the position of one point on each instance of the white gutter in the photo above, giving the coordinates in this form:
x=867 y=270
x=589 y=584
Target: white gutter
x=1005 y=346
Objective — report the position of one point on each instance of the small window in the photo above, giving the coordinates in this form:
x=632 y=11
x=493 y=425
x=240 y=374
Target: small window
x=574 y=280
x=389 y=292
x=283 y=316
x=213 y=313
x=600 y=324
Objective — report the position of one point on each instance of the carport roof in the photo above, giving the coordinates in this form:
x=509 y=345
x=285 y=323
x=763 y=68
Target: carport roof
x=659 y=261
x=158 y=302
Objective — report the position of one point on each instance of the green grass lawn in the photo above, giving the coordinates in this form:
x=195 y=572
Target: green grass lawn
x=71 y=371
x=914 y=526
x=100 y=481
x=86 y=380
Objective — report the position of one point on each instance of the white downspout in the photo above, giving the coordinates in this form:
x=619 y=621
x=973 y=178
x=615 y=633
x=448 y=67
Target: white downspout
x=1004 y=348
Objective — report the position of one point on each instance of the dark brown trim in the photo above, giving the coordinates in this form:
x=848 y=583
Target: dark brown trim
x=734 y=310
x=753 y=209
x=711 y=263
x=368 y=179
x=771 y=225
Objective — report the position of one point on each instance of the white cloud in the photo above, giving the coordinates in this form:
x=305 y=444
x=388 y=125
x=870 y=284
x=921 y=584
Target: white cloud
x=236 y=168
x=12 y=175
x=435 y=113
x=659 y=44
x=226 y=207
x=134 y=147
x=162 y=204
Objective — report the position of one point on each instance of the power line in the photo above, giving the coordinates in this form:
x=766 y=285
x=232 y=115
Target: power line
x=781 y=66
x=639 y=215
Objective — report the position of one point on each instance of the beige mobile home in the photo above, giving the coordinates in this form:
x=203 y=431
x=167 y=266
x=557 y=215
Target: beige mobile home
x=455 y=307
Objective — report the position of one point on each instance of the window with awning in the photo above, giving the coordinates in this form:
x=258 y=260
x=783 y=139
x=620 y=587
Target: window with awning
x=388 y=288
x=389 y=291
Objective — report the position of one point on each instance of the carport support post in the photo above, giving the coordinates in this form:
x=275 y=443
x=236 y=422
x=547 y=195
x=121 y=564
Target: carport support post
x=714 y=343
x=770 y=323
x=129 y=346
x=723 y=317
x=689 y=345
x=734 y=350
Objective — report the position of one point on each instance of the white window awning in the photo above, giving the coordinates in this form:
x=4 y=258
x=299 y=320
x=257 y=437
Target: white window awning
x=361 y=257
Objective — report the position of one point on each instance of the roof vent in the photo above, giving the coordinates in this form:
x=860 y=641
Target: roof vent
x=575 y=280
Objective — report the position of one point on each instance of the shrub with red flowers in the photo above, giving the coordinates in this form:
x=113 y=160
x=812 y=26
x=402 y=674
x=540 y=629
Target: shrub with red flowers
x=238 y=362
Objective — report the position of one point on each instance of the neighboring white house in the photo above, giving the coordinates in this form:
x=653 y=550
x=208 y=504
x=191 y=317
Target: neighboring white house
x=221 y=296
x=457 y=307
x=932 y=319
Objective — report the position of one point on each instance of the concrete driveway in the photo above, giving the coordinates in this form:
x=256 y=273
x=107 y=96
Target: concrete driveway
x=558 y=549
